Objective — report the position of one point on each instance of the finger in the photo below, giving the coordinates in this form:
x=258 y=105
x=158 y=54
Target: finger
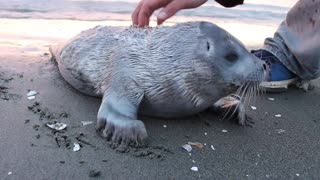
x=193 y=4
x=175 y=6
x=135 y=14
x=168 y=11
x=145 y=12
x=147 y=9
x=144 y=16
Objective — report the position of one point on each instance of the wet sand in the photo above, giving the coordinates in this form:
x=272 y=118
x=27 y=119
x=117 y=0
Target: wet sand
x=285 y=147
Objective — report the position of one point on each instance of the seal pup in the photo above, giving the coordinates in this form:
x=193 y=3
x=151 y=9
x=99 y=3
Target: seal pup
x=164 y=71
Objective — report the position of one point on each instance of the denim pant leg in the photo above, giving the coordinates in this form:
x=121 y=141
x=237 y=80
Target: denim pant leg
x=296 y=43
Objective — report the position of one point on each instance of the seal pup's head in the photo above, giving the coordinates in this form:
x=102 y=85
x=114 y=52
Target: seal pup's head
x=233 y=61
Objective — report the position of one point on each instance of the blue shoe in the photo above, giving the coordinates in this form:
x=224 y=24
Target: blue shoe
x=279 y=77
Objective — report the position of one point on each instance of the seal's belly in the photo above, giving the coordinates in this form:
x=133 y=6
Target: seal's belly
x=170 y=106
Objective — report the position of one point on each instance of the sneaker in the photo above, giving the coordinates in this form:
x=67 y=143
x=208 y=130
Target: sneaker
x=279 y=77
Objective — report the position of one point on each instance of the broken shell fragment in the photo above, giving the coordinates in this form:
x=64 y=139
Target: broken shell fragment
x=187 y=147
x=57 y=126
x=277 y=115
x=253 y=107
x=76 y=147
x=196 y=144
x=84 y=123
x=31 y=97
x=32 y=93
x=280 y=131
x=194 y=168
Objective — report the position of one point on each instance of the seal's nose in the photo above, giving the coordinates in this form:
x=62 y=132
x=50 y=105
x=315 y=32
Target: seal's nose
x=266 y=70
x=264 y=66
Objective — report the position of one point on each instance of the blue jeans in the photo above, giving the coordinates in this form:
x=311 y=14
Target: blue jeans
x=296 y=43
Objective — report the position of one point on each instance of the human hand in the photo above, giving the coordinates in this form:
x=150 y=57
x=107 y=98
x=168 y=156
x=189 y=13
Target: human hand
x=142 y=13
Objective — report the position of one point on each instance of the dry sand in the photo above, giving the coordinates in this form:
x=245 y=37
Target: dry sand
x=275 y=148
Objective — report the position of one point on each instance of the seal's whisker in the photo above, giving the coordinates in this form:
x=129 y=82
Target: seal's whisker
x=234 y=111
x=226 y=113
x=258 y=89
x=250 y=94
x=244 y=92
x=254 y=92
x=247 y=94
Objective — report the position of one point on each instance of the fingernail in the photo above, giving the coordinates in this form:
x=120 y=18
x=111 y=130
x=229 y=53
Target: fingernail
x=162 y=15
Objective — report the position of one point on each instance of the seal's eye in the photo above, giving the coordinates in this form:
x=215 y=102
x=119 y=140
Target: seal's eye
x=232 y=57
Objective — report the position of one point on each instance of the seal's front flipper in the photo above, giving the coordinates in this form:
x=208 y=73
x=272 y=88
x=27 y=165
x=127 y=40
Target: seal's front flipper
x=117 y=118
x=231 y=107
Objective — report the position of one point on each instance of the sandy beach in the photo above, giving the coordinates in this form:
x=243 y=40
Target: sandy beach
x=282 y=144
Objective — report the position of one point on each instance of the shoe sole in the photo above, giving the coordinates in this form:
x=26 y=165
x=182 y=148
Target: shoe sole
x=277 y=86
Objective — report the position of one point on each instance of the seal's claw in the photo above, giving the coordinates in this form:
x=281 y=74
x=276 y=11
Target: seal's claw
x=101 y=123
x=126 y=132
x=249 y=122
x=232 y=108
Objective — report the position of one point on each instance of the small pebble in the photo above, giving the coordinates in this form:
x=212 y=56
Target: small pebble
x=271 y=99
x=297 y=174
x=165 y=126
x=253 y=107
x=9 y=173
x=205 y=133
x=267 y=176
x=212 y=147
x=224 y=130
x=36 y=127
x=94 y=173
